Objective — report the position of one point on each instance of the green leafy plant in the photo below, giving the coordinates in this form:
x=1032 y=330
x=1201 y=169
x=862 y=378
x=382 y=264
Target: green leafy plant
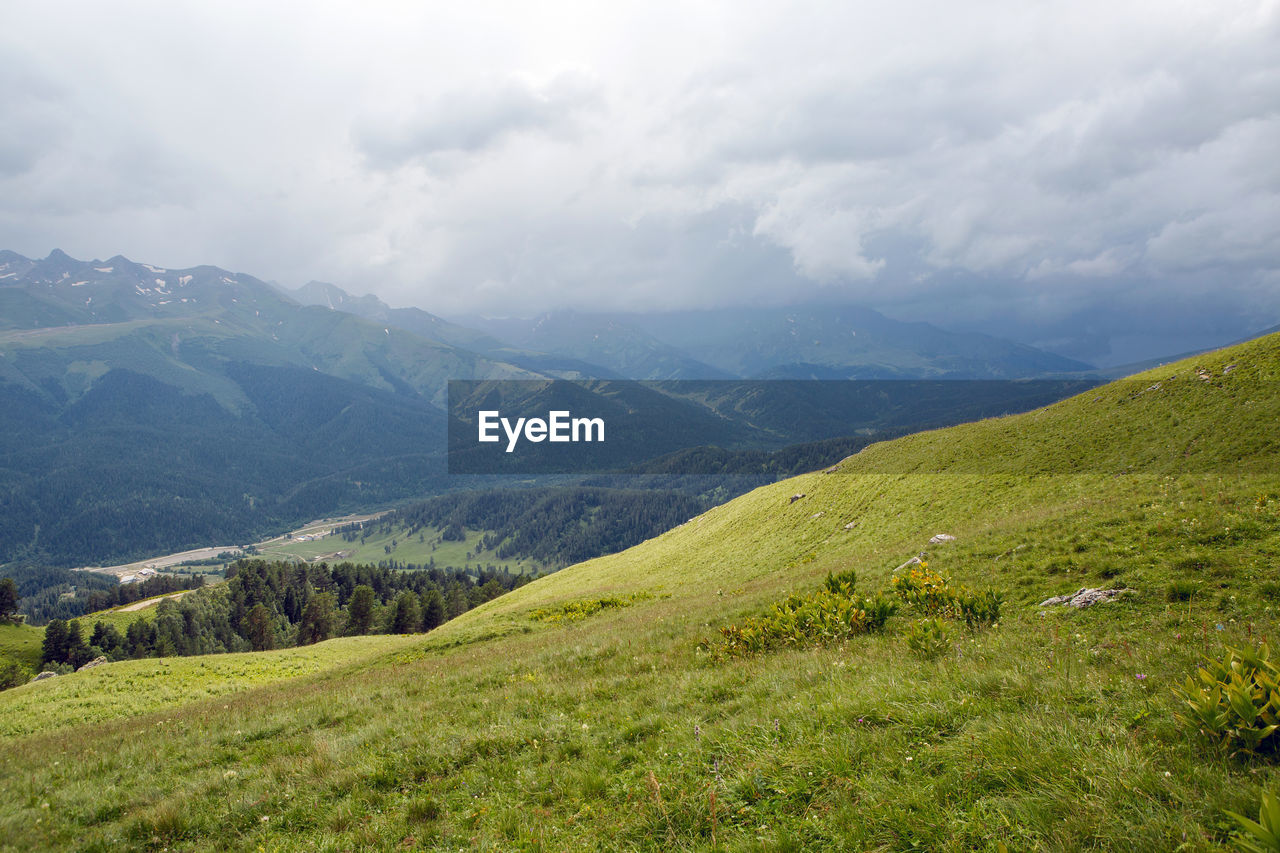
x=925 y=591
x=927 y=638
x=878 y=609
x=572 y=611
x=1234 y=702
x=830 y=614
x=842 y=583
x=1262 y=835
x=980 y=609
x=931 y=594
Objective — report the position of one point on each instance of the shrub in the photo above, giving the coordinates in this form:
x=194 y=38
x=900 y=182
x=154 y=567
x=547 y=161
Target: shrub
x=878 y=610
x=830 y=614
x=927 y=638
x=925 y=591
x=1234 y=702
x=980 y=609
x=572 y=611
x=12 y=674
x=932 y=595
x=842 y=583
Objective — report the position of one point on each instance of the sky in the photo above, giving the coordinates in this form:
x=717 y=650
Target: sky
x=1098 y=178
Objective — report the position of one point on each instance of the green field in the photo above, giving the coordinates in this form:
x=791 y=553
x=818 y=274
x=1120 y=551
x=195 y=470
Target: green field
x=508 y=730
x=21 y=643
x=127 y=689
x=417 y=548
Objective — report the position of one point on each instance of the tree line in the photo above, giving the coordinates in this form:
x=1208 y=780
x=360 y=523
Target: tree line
x=65 y=594
x=274 y=604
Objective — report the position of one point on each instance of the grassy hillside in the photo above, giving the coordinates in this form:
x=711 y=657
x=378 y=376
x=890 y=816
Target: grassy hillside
x=21 y=643
x=126 y=689
x=521 y=726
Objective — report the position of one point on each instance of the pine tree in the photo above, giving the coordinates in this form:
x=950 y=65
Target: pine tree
x=456 y=604
x=317 y=619
x=407 y=617
x=107 y=638
x=54 y=648
x=360 y=610
x=8 y=599
x=492 y=589
x=77 y=649
x=433 y=615
x=138 y=638
x=258 y=629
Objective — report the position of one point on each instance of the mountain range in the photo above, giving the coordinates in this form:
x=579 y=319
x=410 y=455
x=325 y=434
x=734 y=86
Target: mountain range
x=146 y=409
x=809 y=342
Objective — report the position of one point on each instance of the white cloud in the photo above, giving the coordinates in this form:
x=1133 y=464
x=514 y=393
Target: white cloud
x=1040 y=160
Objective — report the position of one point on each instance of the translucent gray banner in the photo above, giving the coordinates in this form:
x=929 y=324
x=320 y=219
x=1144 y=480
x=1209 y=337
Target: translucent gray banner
x=671 y=427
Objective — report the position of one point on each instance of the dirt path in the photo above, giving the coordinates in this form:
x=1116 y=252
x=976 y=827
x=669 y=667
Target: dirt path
x=149 y=602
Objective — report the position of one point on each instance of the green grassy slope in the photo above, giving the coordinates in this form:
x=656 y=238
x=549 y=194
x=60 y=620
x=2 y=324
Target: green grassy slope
x=128 y=688
x=502 y=730
x=21 y=643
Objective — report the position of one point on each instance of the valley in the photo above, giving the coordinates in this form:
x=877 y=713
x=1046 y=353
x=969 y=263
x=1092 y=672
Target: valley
x=595 y=707
x=640 y=428
x=216 y=556
x=191 y=406
x=393 y=543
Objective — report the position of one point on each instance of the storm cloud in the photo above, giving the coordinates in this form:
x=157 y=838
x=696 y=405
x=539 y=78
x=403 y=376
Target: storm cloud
x=1099 y=178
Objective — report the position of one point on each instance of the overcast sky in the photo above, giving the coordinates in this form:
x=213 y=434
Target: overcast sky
x=1101 y=178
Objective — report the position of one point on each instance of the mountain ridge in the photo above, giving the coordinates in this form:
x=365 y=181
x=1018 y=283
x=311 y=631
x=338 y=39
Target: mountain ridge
x=805 y=342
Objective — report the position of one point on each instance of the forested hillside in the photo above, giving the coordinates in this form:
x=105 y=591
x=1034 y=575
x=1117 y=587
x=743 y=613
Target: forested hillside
x=267 y=605
x=146 y=410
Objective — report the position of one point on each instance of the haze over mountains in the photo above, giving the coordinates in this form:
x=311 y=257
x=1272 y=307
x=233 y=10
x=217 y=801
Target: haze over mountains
x=146 y=408
x=808 y=342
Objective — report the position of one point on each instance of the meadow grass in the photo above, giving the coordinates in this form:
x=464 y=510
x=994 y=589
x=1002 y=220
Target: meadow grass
x=128 y=688
x=502 y=730
x=21 y=643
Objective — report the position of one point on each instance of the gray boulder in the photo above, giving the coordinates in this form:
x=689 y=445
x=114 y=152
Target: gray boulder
x=1085 y=597
x=914 y=561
